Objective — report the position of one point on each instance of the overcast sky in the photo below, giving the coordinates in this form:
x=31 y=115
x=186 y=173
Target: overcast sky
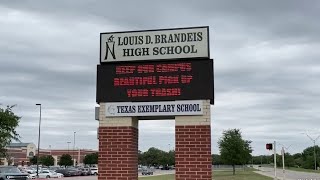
x=267 y=66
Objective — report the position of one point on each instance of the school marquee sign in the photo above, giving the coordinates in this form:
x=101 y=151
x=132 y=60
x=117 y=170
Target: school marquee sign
x=155 y=44
x=161 y=108
x=155 y=80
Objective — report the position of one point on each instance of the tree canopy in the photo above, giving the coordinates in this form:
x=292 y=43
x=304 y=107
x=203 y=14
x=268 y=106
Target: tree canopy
x=299 y=160
x=9 y=158
x=33 y=160
x=91 y=159
x=65 y=160
x=308 y=157
x=233 y=149
x=8 y=123
x=216 y=159
x=154 y=157
x=46 y=160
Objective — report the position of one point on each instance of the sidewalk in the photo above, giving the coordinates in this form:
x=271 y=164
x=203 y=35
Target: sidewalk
x=272 y=176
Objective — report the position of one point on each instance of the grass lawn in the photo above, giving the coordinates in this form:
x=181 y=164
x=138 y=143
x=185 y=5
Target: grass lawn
x=163 y=177
x=240 y=175
x=302 y=169
x=219 y=175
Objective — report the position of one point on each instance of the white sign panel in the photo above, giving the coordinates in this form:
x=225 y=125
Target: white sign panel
x=162 y=108
x=155 y=44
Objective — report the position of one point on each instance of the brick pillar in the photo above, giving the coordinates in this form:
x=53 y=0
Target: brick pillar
x=118 y=148
x=193 y=146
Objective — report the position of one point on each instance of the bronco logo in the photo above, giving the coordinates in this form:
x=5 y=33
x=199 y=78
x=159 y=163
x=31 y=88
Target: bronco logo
x=112 y=109
x=110 y=40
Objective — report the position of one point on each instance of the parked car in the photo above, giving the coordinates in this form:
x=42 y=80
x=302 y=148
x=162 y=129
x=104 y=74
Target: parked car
x=74 y=171
x=84 y=171
x=65 y=172
x=31 y=170
x=60 y=175
x=147 y=171
x=32 y=175
x=53 y=168
x=94 y=171
x=23 y=170
x=166 y=168
x=11 y=172
x=49 y=174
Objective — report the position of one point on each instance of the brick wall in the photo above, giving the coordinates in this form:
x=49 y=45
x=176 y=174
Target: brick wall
x=193 y=152
x=118 y=150
x=18 y=155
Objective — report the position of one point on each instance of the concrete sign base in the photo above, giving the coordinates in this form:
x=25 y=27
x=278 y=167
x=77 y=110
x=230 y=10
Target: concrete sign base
x=118 y=146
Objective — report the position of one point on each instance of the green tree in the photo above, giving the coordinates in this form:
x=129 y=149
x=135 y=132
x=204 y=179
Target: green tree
x=33 y=160
x=154 y=157
x=298 y=161
x=288 y=160
x=262 y=159
x=308 y=157
x=91 y=159
x=171 y=157
x=8 y=123
x=279 y=160
x=216 y=159
x=47 y=160
x=233 y=149
x=9 y=158
x=65 y=160
x=165 y=158
x=140 y=157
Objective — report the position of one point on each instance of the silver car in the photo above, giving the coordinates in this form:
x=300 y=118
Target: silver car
x=146 y=171
x=11 y=172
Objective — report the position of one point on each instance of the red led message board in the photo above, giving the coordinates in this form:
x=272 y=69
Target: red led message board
x=155 y=81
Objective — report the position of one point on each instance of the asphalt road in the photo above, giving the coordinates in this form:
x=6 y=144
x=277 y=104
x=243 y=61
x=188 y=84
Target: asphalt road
x=290 y=175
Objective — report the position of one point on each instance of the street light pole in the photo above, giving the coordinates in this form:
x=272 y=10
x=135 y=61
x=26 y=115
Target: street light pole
x=314 y=149
x=283 y=167
x=74 y=146
x=283 y=154
x=315 y=156
x=38 y=142
x=68 y=146
x=275 y=160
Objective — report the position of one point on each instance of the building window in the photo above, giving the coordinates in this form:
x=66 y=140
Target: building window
x=31 y=154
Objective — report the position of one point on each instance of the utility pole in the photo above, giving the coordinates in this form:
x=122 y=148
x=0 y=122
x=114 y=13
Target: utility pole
x=315 y=155
x=38 y=154
x=275 y=160
x=283 y=169
x=252 y=161
x=283 y=154
x=68 y=146
x=314 y=149
x=74 y=146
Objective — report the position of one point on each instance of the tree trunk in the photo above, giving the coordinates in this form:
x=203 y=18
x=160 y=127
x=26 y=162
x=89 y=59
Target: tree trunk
x=234 y=169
